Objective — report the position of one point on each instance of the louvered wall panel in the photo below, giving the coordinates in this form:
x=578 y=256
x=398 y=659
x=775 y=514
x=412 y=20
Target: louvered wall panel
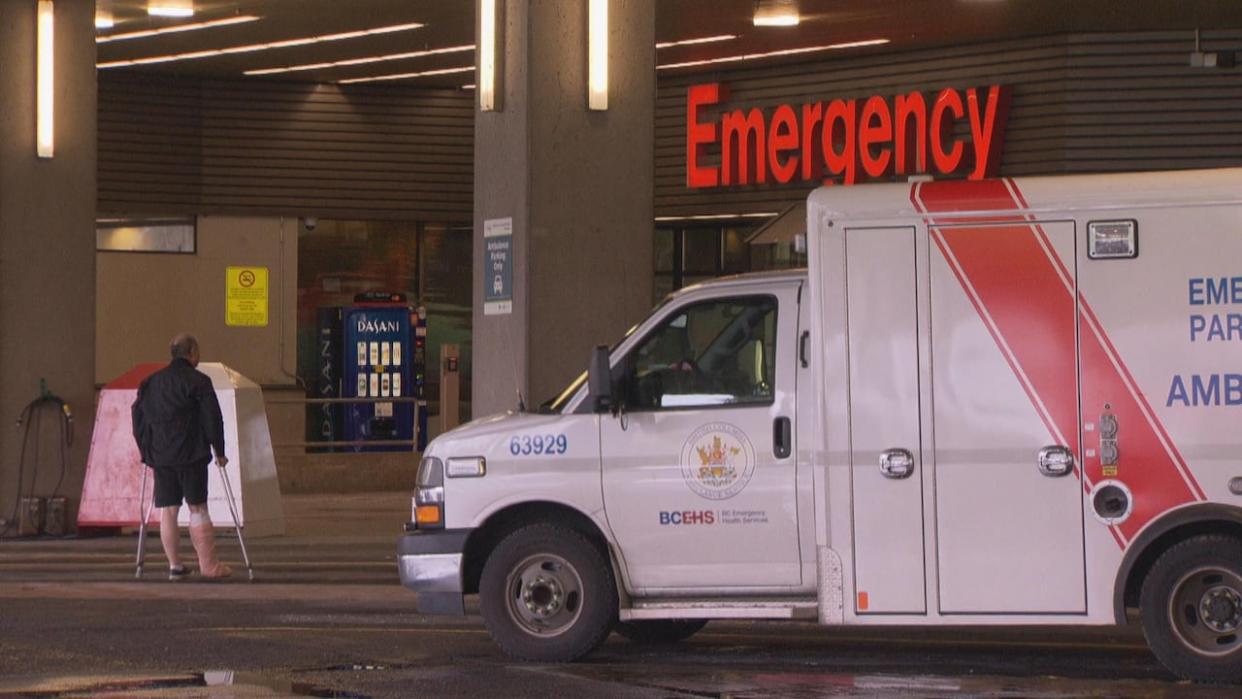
x=273 y=148
x=1080 y=103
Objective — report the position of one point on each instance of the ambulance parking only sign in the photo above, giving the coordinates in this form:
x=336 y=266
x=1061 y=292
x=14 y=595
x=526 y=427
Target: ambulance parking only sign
x=497 y=266
x=245 y=297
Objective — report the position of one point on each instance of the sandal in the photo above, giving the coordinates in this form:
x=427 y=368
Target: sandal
x=179 y=573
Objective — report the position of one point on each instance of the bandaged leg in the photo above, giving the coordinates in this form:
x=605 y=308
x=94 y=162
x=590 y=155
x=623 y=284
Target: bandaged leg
x=170 y=536
x=204 y=538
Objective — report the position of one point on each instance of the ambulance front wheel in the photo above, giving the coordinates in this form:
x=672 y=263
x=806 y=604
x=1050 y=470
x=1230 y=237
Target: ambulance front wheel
x=660 y=630
x=547 y=594
x=1191 y=605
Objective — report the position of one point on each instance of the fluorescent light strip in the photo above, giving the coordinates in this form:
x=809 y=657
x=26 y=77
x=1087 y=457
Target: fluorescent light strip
x=773 y=54
x=597 y=55
x=402 y=76
x=362 y=61
x=699 y=40
x=249 y=48
x=488 y=77
x=170 y=8
x=471 y=86
x=451 y=49
x=45 y=117
x=240 y=19
x=714 y=217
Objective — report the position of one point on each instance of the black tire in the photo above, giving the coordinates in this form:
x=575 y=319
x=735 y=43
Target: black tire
x=1191 y=606
x=547 y=594
x=659 y=630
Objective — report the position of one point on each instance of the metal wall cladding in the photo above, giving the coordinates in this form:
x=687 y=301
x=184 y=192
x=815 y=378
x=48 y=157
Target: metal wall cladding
x=257 y=147
x=1081 y=103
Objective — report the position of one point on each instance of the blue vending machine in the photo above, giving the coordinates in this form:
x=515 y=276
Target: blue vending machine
x=324 y=419
x=378 y=360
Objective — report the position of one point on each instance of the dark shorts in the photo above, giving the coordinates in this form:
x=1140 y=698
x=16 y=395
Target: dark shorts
x=176 y=483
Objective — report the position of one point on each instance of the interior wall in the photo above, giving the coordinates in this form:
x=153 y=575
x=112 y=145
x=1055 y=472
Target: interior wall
x=144 y=299
x=1081 y=103
x=179 y=145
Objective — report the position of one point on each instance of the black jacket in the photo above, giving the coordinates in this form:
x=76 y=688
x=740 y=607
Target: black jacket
x=177 y=417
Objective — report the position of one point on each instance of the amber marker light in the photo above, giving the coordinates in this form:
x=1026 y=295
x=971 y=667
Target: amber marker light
x=429 y=516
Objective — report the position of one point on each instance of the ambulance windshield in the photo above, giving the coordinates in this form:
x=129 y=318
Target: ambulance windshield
x=557 y=404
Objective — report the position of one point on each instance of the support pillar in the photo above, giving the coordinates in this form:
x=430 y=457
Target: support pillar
x=47 y=247
x=578 y=186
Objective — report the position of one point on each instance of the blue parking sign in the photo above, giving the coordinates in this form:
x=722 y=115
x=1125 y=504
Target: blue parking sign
x=498 y=266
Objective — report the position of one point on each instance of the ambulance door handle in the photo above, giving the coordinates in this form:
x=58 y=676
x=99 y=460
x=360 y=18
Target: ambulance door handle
x=1056 y=461
x=782 y=438
x=897 y=463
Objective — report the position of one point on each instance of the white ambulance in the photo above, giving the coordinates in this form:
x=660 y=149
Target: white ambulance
x=1008 y=402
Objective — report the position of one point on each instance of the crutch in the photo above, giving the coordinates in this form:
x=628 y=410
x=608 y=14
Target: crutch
x=142 y=527
x=237 y=525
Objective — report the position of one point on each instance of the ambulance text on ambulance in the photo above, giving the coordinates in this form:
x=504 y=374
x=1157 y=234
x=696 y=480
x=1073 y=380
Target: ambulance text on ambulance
x=844 y=140
x=1211 y=326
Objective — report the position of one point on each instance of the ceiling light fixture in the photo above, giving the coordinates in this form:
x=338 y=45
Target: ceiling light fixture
x=45 y=83
x=103 y=20
x=471 y=86
x=249 y=48
x=171 y=8
x=773 y=54
x=142 y=34
x=597 y=55
x=362 y=61
x=776 y=13
x=491 y=53
x=715 y=217
x=699 y=40
x=402 y=76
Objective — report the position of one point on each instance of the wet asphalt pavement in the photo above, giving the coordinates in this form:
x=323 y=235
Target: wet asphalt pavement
x=327 y=618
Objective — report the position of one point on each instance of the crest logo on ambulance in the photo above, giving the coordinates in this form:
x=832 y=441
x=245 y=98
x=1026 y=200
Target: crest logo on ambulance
x=717 y=461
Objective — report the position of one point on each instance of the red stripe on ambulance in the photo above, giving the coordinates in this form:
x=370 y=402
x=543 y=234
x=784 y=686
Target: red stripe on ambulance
x=1026 y=296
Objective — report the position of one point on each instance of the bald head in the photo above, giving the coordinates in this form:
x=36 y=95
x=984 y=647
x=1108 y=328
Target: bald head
x=184 y=346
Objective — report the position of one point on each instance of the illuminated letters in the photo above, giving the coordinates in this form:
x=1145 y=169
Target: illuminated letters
x=845 y=140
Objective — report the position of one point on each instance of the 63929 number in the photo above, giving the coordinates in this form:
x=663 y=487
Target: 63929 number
x=527 y=445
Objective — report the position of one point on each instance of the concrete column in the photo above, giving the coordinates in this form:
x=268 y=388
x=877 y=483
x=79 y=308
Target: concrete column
x=47 y=245
x=578 y=185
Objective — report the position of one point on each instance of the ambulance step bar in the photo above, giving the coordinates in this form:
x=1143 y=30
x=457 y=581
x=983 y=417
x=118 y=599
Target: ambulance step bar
x=715 y=608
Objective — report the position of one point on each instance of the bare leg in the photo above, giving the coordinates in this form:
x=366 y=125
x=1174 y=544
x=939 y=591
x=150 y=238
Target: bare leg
x=170 y=535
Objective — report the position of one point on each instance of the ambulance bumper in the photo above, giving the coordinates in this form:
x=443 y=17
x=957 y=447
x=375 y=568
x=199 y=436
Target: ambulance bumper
x=429 y=563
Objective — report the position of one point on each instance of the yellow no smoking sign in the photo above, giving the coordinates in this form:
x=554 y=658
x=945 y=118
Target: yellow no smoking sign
x=245 y=297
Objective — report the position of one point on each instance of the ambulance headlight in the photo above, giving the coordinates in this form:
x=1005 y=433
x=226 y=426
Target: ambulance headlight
x=429 y=484
x=429 y=494
x=467 y=467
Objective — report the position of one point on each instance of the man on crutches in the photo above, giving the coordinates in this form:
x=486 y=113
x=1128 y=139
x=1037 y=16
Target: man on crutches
x=177 y=425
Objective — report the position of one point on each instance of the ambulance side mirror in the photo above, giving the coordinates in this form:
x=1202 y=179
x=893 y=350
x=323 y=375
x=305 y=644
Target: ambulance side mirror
x=599 y=380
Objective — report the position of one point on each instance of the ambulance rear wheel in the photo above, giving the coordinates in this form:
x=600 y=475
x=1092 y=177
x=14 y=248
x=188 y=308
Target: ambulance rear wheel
x=547 y=594
x=1191 y=605
x=660 y=630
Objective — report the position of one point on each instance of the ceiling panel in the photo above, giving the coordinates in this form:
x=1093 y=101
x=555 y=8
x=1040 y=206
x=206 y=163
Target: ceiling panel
x=904 y=23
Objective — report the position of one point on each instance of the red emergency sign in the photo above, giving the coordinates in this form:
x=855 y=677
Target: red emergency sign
x=845 y=140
